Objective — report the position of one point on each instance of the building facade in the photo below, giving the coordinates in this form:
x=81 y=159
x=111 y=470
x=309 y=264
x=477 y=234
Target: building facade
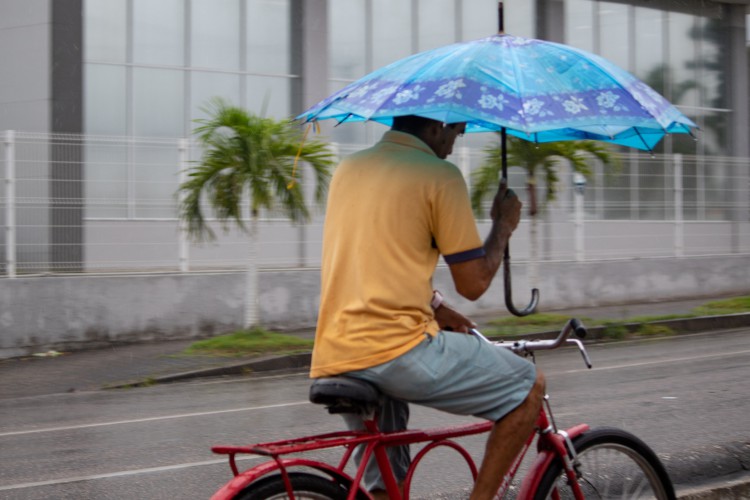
x=142 y=71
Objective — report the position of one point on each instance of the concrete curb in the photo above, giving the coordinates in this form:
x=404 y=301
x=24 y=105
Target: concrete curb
x=302 y=361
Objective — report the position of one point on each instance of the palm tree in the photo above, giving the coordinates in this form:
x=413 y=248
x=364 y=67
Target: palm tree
x=532 y=157
x=247 y=154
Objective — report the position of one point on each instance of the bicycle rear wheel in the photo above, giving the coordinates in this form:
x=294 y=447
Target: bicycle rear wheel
x=305 y=487
x=613 y=464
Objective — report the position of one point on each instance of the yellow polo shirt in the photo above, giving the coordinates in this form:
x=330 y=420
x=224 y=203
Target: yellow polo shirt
x=392 y=210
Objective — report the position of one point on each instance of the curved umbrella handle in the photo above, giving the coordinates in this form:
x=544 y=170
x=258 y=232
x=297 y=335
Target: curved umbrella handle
x=509 y=295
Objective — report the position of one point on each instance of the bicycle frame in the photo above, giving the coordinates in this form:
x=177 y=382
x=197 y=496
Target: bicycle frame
x=551 y=444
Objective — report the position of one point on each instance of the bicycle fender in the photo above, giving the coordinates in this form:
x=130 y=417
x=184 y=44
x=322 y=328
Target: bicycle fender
x=245 y=478
x=544 y=458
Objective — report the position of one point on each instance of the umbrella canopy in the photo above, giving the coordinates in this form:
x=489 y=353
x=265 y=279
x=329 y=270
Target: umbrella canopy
x=537 y=90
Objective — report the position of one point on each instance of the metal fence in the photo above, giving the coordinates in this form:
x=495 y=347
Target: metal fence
x=75 y=204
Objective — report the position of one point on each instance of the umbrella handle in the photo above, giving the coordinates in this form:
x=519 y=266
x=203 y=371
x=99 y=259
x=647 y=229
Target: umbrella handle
x=509 y=295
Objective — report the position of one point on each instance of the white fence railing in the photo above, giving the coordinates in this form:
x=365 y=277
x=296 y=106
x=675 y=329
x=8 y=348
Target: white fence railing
x=109 y=204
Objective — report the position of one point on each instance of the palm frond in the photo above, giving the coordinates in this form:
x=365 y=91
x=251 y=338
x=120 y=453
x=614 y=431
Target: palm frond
x=244 y=154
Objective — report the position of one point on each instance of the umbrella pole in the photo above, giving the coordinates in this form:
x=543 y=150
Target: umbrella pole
x=506 y=258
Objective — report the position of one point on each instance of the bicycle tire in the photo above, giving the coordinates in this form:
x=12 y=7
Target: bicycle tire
x=613 y=464
x=305 y=487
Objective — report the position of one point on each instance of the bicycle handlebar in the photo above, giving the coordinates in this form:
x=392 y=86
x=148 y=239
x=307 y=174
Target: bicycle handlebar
x=525 y=347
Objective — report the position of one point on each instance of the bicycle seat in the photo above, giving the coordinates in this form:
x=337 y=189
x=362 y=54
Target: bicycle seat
x=345 y=395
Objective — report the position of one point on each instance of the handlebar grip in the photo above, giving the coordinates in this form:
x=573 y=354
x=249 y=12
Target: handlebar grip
x=578 y=328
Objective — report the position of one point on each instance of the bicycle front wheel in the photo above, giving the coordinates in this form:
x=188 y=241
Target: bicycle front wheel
x=613 y=464
x=305 y=487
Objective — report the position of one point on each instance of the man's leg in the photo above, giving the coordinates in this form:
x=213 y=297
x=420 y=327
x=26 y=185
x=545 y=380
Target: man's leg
x=394 y=416
x=505 y=441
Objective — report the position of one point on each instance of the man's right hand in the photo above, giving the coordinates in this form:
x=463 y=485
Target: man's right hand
x=506 y=209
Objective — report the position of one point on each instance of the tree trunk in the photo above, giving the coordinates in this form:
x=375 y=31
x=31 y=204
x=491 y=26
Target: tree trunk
x=533 y=234
x=251 y=276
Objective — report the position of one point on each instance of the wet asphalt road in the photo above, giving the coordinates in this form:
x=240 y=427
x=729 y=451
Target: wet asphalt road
x=687 y=396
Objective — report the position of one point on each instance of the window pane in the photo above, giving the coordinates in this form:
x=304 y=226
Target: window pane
x=105 y=30
x=437 y=26
x=269 y=96
x=579 y=19
x=158 y=103
x=268 y=36
x=711 y=58
x=683 y=88
x=106 y=179
x=207 y=85
x=105 y=101
x=391 y=31
x=155 y=180
x=158 y=32
x=215 y=37
x=613 y=33
x=649 y=44
x=346 y=38
x=480 y=18
x=518 y=17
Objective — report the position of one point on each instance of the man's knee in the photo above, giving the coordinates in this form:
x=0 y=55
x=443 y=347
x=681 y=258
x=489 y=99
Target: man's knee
x=536 y=394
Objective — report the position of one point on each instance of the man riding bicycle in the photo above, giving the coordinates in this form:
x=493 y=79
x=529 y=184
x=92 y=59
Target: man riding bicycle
x=393 y=209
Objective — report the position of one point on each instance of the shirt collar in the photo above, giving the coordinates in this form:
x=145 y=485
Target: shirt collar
x=408 y=140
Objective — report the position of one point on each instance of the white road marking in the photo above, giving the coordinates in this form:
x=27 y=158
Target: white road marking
x=149 y=419
x=149 y=470
x=661 y=361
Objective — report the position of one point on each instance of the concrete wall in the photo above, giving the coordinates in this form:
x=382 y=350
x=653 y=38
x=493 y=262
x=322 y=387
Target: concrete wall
x=87 y=311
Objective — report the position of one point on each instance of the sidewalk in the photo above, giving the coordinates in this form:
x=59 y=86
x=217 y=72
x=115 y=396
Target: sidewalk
x=121 y=365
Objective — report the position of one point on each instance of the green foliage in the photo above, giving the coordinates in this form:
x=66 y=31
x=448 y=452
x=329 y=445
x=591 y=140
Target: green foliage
x=248 y=342
x=614 y=331
x=532 y=156
x=652 y=330
x=245 y=153
x=532 y=323
x=728 y=306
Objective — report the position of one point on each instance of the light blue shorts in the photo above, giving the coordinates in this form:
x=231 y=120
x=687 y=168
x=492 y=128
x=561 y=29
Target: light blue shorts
x=453 y=372
x=457 y=373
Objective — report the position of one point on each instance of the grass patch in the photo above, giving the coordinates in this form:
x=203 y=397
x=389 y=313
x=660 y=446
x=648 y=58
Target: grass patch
x=727 y=306
x=614 y=331
x=532 y=323
x=651 y=330
x=249 y=342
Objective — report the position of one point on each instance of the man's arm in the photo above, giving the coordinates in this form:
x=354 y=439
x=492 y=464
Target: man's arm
x=473 y=277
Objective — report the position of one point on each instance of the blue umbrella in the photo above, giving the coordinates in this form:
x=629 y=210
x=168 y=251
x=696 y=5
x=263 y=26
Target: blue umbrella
x=533 y=89
x=537 y=90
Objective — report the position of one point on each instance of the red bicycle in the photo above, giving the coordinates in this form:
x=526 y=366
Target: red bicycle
x=578 y=462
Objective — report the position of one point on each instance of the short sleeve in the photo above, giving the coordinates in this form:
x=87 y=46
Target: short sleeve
x=453 y=226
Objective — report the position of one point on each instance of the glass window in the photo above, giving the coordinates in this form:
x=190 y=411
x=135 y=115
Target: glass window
x=269 y=96
x=158 y=103
x=391 y=31
x=106 y=179
x=479 y=18
x=205 y=85
x=683 y=86
x=105 y=30
x=614 y=43
x=268 y=36
x=437 y=24
x=105 y=99
x=519 y=17
x=346 y=39
x=649 y=48
x=711 y=58
x=579 y=24
x=159 y=32
x=215 y=36
x=155 y=180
